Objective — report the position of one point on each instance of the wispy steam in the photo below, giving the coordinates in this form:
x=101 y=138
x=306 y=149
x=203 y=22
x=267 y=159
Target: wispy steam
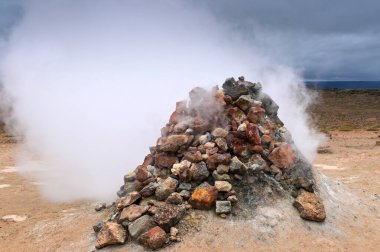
x=92 y=83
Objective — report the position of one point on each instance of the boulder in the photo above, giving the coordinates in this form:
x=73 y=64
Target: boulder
x=111 y=233
x=140 y=225
x=310 y=206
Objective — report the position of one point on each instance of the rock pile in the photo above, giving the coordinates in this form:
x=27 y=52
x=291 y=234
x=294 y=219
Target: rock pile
x=211 y=144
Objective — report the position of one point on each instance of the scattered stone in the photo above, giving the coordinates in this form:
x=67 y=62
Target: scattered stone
x=100 y=207
x=110 y=234
x=154 y=238
x=310 y=206
x=223 y=207
x=233 y=199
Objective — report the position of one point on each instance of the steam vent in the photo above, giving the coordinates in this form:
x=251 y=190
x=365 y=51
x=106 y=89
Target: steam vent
x=223 y=150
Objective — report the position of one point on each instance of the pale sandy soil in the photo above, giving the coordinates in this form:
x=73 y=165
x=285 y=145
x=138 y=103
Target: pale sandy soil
x=349 y=183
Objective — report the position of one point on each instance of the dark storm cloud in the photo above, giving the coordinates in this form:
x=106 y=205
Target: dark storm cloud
x=320 y=38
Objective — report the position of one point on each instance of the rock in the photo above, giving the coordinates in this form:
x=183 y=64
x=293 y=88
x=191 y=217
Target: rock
x=193 y=157
x=180 y=167
x=163 y=160
x=219 y=132
x=233 y=199
x=256 y=114
x=256 y=164
x=223 y=207
x=221 y=143
x=154 y=238
x=214 y=160
x=132 y=212
x=142 y=173
x=244 y=102
x=268 y=104
x=218 y=176
x=236 y=114
x=234 y=90
x=128 y=200
x=266 y=139
x=110 y=234
x=174 y=198
x=204 y=197
x=165 y=188
x=310 y=206
x=149 y=190
x=140 y=225
x=130 y=177
x=199 y=171
x=223 y=186
x=100 y=207
x=174 y=142
x=283 y=156
x=184 y=186
x=185 y=194
x=168 y=215
x=242 y=127
x=209 y=145
x=222 y=169
x=173 y=231
x=253 y=134
x=205 y=138
x=98 y=226
x=236 y=166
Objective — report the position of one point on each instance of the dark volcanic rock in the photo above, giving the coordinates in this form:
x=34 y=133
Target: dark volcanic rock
x=140 y=225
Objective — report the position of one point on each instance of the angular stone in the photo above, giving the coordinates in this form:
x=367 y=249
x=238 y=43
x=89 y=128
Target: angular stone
x=168 y=215
x=223 y=207
x=219 y=132
x=256 y=114
x=221 y=143
x=199 y=171
x=283 y=156
x=163 y=160
x=236 y=166
x=218 y=176
x=149 y=190
x=253 y=134
x=223 y=186
x=256 y=164
x=140 y=225
x=142 y=173
x=110 y=234
x=236 y=114
x=205 y=138
x=180 y=167
x=174 y=198
x=154 y=238
x=244 y=102
x=128 y=200
x=165 y=188
x=185 y=194
x=204 y=197
x=130 y=177
x=174 y=142
x=233 y=89
x=214 y=160
x=310 y=206
x=184 y=186
x=193 y=157
x=132 y=212
x=222 y=169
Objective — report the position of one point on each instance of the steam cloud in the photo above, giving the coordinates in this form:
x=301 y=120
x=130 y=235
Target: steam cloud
x=92 y=83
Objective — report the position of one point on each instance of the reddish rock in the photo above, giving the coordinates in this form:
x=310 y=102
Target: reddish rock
x=148 y=160
x=203 y=197
x=173 y=118
x=310 y=206
x=256 y=113
x=244 y=102
x=180 y=107
x=216 y=159
x=257 y=149
x=283 y=156
x=227 y=99
x=236 y=114
x=252 y=118
x=193 y=157
x=200 y=125
x=266 y=139
x=142 y=173
x=253 y=134
x=168 y=215
x=110 y=234
x=154 y=238
x=174 y=142
x=132 y=212
x=163 y=160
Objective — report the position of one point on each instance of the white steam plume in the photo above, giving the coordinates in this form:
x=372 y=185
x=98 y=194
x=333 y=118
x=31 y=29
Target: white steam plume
x=92 y=83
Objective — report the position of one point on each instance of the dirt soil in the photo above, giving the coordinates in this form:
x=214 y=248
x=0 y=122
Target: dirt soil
x=348 y=173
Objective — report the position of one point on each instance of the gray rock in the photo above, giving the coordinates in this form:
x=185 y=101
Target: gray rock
x=236 y=166
x=141 y=225
x=256 y=164
x=165 y=188
x=130 y=177
x=185 y=194
x=233 y=89
x=269 y=105
x=221 y=143
x=205 y=138
x=199 y=171
x=223 y=207
x=184 y=186
x=219 y=132
x=218 y=176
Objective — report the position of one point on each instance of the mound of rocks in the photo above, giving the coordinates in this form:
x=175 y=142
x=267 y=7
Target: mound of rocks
x=212 y=143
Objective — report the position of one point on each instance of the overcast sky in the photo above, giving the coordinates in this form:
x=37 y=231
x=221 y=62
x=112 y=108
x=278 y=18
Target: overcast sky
x=324 y=39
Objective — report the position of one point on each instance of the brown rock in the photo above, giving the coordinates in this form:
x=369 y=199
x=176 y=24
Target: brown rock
x=165 y=188
x=214 y=160
x=174 y=142
x=193 y=157
x=204 y=197
x=219 y=132
x=221 y=143
x=128 y=200
x=236 y=114
x=132 y=212
x=266 y=139
x=168 y=215
x=256 y=113
x=283 y=156
x=199 y=171
x=310 y=206
x=174 y=198
x=257 y=149
x=163 y=160
x=154 y=238
x=244 y=102
x=142 y=173
x=253 y=134
x=110 y=234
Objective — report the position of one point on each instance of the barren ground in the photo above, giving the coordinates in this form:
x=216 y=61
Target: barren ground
x=348 y=171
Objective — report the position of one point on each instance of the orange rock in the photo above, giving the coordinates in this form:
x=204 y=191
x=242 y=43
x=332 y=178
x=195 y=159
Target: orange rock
x=310 y=206
x=204 y=197
x=154 y=238
x=283 y=156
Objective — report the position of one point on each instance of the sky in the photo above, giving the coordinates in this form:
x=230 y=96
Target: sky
x=323 y=40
